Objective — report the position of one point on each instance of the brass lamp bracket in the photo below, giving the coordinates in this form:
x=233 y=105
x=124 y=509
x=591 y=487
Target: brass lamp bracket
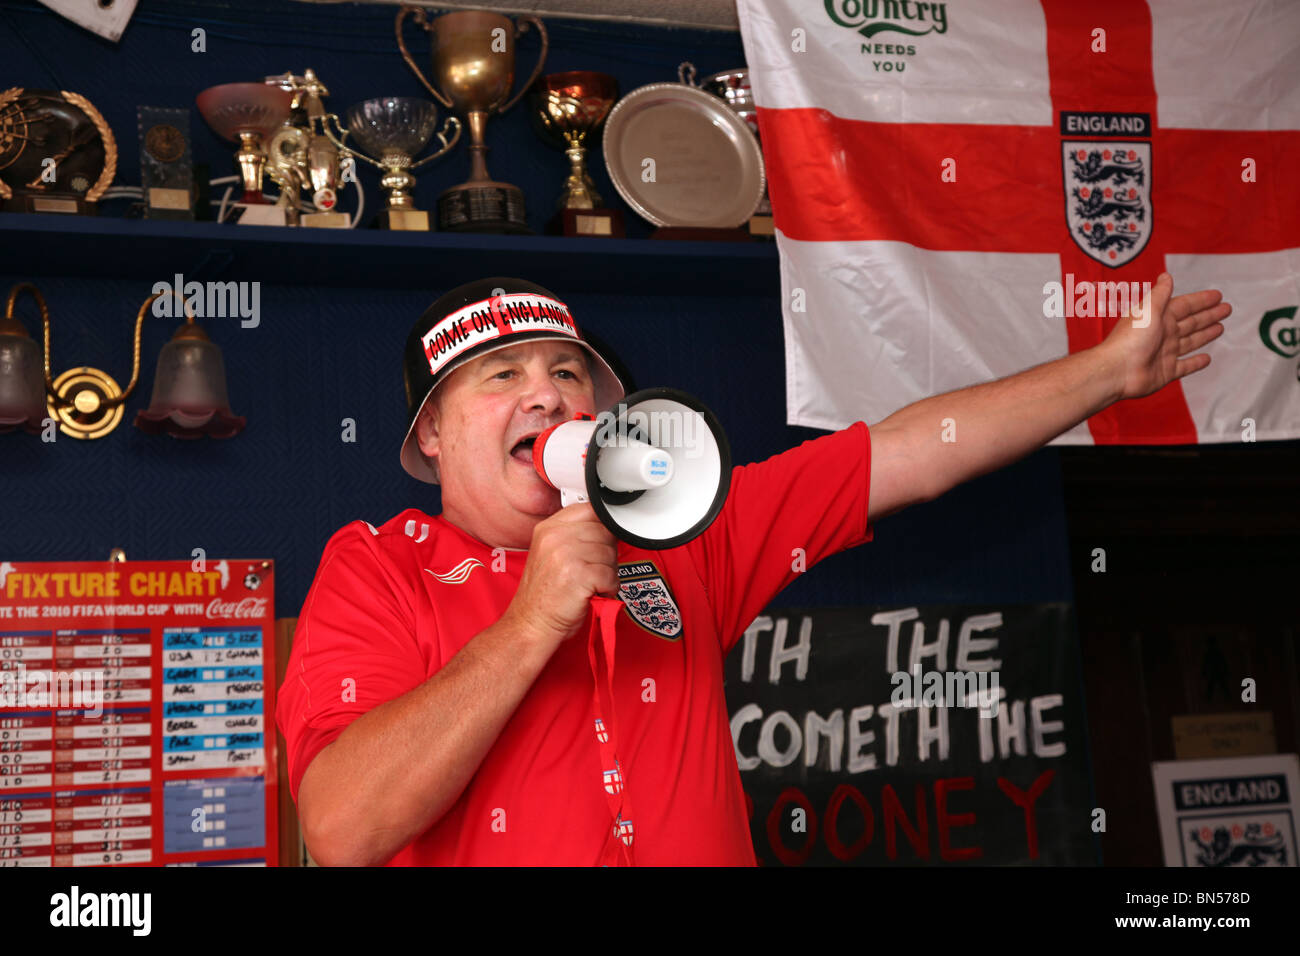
x=83 y=403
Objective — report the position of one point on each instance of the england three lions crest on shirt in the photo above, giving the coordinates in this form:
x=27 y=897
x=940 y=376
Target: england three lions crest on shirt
x=1107 y=185
x=649 y=600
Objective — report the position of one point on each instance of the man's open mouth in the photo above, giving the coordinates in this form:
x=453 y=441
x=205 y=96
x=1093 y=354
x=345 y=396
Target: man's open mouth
x=523 y=449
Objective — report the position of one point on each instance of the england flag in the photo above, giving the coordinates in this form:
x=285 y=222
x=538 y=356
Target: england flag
x=962 y=191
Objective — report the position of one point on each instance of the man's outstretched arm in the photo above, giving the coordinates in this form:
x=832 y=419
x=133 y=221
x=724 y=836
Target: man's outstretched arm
x=1000 y=422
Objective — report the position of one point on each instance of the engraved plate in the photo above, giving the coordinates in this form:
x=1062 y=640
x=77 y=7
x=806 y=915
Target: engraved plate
x=592 y=225
x=160 y=198
x=40 y=204
x=324 y=220
x=409 y=220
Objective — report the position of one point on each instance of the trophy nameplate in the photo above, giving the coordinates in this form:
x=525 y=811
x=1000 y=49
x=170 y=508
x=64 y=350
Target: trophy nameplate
x=587 y=222
x=36 y=202
x=403 y=220
x=325 y=220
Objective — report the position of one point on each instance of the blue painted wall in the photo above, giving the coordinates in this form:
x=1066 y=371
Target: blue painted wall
x=320 y=355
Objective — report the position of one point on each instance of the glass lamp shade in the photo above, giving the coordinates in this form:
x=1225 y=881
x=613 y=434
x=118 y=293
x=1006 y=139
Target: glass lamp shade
x=22 y=383
x=189 y=391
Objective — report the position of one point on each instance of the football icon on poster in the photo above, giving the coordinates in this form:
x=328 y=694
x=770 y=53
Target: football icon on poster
x=252 y=581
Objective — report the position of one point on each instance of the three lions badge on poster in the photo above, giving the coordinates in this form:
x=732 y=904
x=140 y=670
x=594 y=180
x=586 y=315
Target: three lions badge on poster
x=1236 y=811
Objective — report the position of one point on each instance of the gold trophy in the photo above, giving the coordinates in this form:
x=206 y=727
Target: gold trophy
x=474 y=63
x=305 y=155
x=568 y=109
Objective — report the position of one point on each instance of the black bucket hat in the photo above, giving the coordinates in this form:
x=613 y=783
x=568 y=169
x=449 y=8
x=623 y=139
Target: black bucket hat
x=480 y=317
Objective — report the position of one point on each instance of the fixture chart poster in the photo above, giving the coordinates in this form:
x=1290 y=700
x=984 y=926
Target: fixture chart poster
x=135 y=708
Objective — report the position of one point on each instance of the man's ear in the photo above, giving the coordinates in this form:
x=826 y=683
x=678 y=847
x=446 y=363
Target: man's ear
x=426 y=427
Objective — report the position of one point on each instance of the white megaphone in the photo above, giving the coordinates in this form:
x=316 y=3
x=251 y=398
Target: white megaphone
x=656 y=467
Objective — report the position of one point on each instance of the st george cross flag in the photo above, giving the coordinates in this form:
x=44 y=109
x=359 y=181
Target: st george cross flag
x=963 y=190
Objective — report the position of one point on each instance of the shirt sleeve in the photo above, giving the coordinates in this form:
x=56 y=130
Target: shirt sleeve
x=354 y=648
x=782 y=516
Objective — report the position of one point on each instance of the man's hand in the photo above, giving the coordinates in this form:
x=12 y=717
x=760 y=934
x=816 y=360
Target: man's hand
x=1148 y=354
x=999 y=422
x=571 y=558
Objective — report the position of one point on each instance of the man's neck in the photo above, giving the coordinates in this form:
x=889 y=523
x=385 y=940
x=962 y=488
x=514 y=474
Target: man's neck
x=515 y=536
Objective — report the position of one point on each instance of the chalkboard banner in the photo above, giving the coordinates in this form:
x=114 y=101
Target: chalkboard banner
x=913 y=736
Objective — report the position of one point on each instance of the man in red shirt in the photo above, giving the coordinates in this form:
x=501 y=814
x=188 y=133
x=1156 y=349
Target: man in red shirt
x=447 y=699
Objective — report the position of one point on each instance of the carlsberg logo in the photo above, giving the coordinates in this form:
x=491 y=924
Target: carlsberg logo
x=1281 y=332
x=870 y=17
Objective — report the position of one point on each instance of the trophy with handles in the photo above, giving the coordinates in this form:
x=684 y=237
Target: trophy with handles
x=397 y=129
x=473 y=62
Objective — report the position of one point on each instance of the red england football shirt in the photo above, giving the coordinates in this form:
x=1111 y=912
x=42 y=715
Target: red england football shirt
x=390 y=605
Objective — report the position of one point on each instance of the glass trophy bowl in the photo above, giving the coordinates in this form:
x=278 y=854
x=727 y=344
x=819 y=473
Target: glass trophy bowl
x=388 y=125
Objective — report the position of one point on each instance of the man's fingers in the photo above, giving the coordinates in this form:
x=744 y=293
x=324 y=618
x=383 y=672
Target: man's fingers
x=1194 y=364
x=580 y=511
x=1160 y=294
x=1190 y=343
x=1193 y=302
x=605 y=578
x=1199 y=320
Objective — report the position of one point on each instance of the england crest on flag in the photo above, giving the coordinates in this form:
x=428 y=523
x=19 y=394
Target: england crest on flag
x=601 y=733
x=1107 y=185
x=649 y=600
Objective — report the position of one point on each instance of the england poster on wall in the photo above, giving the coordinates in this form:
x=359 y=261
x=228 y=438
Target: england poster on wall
x=1235 y=811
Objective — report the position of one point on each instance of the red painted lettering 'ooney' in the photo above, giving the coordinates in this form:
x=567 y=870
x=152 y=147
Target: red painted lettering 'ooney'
x=847 y=801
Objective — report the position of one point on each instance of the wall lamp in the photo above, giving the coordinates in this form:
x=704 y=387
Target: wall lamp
x=189 y=387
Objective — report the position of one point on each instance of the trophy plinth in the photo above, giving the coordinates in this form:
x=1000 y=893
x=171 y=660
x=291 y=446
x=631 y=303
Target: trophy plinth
x=568 y=109
x=397 y=129
x=258 y=214
x=483 y=207
x=473 y=63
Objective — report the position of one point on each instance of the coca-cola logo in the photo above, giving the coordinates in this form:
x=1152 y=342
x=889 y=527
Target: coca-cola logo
x=248 y=607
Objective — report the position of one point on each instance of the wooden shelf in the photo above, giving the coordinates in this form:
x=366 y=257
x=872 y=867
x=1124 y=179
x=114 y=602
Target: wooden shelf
x=34 y=245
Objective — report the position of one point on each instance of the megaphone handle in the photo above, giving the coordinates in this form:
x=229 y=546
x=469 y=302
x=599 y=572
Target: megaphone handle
x=569 y=497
